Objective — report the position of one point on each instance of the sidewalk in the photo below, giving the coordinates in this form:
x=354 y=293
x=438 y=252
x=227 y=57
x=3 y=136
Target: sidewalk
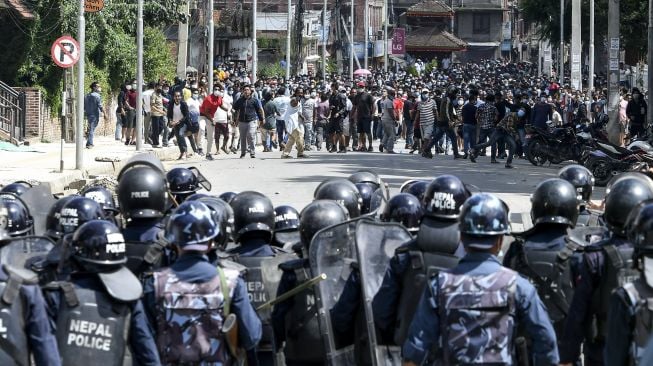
x=40 y=162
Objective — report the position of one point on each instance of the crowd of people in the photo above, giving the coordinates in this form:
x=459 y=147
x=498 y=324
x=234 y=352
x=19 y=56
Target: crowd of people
x=170 y=274
x=462 y=109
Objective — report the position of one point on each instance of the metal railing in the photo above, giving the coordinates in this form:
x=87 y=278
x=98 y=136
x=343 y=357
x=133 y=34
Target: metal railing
x=12 y=113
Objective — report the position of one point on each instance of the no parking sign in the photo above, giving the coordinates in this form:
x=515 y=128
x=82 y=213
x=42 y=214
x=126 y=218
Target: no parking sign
x=65 y=52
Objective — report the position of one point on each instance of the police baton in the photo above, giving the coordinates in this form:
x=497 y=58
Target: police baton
x=290 y=293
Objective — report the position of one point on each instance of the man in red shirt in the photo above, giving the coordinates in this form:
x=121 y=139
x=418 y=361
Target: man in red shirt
x=130 y=107
x=207 y=110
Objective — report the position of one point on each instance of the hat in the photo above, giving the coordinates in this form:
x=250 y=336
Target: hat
x=425 y=91
x=122 y=284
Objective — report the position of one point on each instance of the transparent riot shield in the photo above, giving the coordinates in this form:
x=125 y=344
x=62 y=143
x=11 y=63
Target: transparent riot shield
x=271 y=273
x=21 y=252
x=38 y=200
x=376 y=243
x=333 y=252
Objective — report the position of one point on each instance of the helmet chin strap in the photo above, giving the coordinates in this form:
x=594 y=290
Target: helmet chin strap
x=648 y=270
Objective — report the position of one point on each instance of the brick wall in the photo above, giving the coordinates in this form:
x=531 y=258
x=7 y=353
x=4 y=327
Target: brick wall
x=42 y=125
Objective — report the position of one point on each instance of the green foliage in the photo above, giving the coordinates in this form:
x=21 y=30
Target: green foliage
x=433 y=65
x=110 y=43
x=269 y=70
x=331 y=65
x=411 y=70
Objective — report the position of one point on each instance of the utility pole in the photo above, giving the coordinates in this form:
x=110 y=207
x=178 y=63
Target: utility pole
x=212 y=45
x=366 y=26
x=576 y=73
x=325 y=37
x=649 y=116
x=613 y=71
x=182 y=51
x=385 y=36
x=539 y=59
x=287 y=41
x=351 y=48
x=139 y=78
x=590 y=80
x=79 y=124
x=561 y=61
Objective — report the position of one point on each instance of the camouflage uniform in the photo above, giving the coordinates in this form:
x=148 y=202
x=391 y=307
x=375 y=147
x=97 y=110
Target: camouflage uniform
x=449 y=319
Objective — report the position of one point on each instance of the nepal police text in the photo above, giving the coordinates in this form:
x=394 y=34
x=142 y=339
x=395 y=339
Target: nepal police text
x=82 y=333
x=443 y=201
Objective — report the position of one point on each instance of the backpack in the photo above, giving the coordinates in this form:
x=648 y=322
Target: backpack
x=477 y=311
x=190 y=316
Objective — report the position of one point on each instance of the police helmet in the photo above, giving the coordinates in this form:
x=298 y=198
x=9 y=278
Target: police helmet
x=318 y=215
x=228 y=196
x=53 y=228
x=4 y=221
x=484 y=214
x=366 y=191
x=418 y=189
x=639 y=228
x=102 y=196
x=637 y=175
x=286 y=225
x=444 y=196
x=77 y=211
x=99 y=242
x=365 y=176
x=19 y=220
x=191 y=226
x=223 y=215
x=405 y=209
x=197 y=196
x=253 y=213
x=16 y=188
x=182 y=183
x=554 y=201
x=625 y=194
x=343 y=192
x=581 y=178
x=142 y=193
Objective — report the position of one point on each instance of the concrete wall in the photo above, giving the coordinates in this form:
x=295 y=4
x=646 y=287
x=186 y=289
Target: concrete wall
x=465 y=27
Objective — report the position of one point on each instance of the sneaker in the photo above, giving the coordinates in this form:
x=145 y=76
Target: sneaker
x=242 y=156
x=472 y=155
x=274 y=144
x=126 y=142
x=286 y=157
x=224 y=148
x=509 y=166
x=381 y=148
x=252 y=156
x=209 y=157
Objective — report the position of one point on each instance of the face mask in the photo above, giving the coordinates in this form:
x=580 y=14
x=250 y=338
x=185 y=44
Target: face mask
x=194 y=86
x=313 y=95
x=648 y=270
x=230 y=92
x=461 y=102
x=166 y=90
x=128 y=87
x=196 y=96
x=217 y=93
x=521 y=113
x=134 y=86
x=425 y=96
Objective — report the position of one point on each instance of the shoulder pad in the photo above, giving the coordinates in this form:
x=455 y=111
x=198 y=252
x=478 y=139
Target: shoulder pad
x=25 y=276
x=292 y=265
x=227 y=264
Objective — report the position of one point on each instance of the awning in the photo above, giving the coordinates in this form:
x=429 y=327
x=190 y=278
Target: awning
x=483 y=44
x=398 y=60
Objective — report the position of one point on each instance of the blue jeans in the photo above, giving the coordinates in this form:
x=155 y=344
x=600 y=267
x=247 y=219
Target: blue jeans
x=92 y=124
x=440 y=133
x=469 y=134
x=410 y=132
x=496 y=136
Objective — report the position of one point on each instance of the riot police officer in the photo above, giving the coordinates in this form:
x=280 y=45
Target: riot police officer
x=53 y=228
x=343 y=192
x=295 y=320
x=512 y=301
x=416 y=187
x=542 y=254
x=606 y=264
x=629 y=315
x=254 y=221
x=105 y=198
x=405 y=209
x=183 y=183
x=98 y=314
x=19 y=220
x=25 y=329
x=17 y=188
x=286 y=227
x=583 y=180
x=188 y=333
x=367 y=192
x=432 y=250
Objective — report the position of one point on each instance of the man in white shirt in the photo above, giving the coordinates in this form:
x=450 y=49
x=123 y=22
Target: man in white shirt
x=295 y=128
x=282 y=101
x=147 y=120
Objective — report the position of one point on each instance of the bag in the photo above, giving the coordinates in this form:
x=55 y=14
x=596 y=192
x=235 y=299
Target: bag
x=477 y=311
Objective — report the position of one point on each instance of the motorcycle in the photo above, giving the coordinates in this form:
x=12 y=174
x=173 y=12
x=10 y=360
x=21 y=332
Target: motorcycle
x=555 y=145
x=608 y=160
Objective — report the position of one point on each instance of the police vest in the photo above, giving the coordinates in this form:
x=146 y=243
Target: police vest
x=550 y=272
x=14 y=347
x=588 y=218
x=640 y=296
x=472 y=307
x=618 y=272
x=189 y=318
x=304 y=343
x=146 y=257
x=422 y=267
x=92 y=328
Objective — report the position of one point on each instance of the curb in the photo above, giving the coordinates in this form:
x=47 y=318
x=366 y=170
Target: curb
x=104 y=167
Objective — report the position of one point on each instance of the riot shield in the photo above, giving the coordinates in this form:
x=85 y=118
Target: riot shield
x=332 y=252
x=376 y=243
x=38 y=200
x=20 y=252
x=201 y=180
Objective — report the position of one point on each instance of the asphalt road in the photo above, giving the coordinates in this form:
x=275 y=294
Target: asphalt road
x=292 y=181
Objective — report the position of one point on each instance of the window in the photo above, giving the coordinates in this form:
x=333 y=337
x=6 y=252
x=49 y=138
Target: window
x=481 y=23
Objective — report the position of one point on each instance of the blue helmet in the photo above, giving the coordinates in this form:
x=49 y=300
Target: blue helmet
x=484 y=214
x=78 y=211
x=405 y=209
x=366 y=191
x=444 y=196
x=19 y=222
x=639 y=228
x=191 y=226
x=17 y=188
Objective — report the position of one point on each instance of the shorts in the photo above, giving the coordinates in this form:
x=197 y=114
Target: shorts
x=336 y=125
x=345 y=127
x=427 y=130
x=130 y=119
x=222 y=129
x=364 y=125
